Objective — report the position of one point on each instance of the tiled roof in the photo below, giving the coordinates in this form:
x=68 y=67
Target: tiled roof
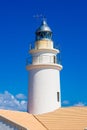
x=69 y=118
x=23 y=119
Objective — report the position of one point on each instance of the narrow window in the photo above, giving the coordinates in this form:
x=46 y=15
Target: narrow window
x=54 y=59
x=58 y=96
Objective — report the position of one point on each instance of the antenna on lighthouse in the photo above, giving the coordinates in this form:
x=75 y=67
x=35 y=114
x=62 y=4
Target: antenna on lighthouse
x=39 y=16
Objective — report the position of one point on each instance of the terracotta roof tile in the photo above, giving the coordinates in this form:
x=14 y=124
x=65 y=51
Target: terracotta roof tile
x=22 y=118
x=70 y=118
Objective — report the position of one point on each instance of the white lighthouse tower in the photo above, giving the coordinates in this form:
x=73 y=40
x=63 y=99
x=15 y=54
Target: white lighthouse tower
x=44 y=73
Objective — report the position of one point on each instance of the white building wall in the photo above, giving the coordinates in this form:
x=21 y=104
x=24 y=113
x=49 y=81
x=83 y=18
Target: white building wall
x=43 y=87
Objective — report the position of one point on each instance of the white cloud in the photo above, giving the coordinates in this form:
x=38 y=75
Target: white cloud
x=65 y=102
x=20 y=96
x=9 y=101
x=79 y=104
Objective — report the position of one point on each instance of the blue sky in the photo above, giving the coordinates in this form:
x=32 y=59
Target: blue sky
x=68 y=21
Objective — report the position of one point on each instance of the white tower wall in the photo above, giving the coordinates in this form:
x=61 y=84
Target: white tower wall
x=44 y=85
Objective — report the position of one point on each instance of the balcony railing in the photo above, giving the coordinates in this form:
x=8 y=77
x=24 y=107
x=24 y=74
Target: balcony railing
x=43 y=59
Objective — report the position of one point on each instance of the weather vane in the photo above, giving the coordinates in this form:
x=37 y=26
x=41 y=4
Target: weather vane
x=39 y=16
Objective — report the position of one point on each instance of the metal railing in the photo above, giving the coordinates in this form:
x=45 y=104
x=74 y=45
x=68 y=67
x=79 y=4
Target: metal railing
x=43 y=59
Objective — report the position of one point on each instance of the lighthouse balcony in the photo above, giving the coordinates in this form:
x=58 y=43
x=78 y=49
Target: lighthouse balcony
x=43 y=59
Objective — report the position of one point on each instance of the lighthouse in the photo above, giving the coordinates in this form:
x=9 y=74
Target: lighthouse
x=44 y=73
